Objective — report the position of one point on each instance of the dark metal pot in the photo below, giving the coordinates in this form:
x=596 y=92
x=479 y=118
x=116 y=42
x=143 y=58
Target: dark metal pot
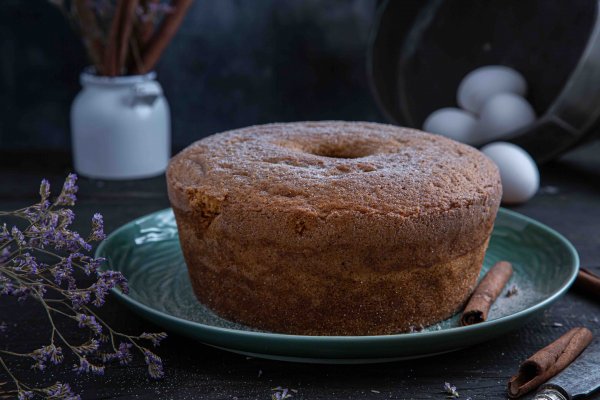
x=420 y=50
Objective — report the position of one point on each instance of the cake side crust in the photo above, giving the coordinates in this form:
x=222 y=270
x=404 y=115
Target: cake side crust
x=287 y=293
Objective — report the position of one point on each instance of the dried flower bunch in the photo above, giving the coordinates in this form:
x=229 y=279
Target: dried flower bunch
x=40 y=259
x=125 y=37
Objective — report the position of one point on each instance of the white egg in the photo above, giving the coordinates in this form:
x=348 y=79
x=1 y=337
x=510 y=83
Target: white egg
x=453 y=123
x=502 y=114
x=483 y=83
x=518 y=172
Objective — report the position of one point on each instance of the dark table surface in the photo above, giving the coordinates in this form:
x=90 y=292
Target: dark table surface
x=569 y=201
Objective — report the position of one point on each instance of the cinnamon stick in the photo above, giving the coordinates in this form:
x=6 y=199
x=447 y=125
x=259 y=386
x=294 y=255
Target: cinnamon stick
x=486 y=292
x=161 y=38
x=588 y=282
x=549 y=361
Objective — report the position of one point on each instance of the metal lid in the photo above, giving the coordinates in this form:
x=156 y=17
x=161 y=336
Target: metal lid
x=420 y=50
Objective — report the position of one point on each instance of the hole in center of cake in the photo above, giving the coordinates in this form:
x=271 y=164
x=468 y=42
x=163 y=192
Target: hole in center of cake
x=341 y=151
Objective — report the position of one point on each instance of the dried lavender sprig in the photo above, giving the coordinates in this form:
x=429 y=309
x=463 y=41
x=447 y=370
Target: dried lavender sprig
x=39 y=260
x=280 y=393
x=450 y=390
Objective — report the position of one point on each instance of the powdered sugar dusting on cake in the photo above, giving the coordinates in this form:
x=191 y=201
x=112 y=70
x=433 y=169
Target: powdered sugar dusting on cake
x=375 y=167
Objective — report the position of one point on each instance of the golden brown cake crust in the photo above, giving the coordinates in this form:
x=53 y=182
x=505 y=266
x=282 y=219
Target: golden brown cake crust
x=333 y=227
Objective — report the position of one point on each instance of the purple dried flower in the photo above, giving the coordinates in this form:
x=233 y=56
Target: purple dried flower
x=26 y=263
x=79 y=298
x=84 y=366
x=24 y=394
x=63 y=270
x=155 y=338
x=107 y=280
x=97 y=228
x=18 y=237
x=87 y=367
x=66 y=216
x=71 y=241
x=88 y=347
x=91 y=265
x=122 y=355
x=46 y=231
x=450 y=390
x=61 y=391
x=44 y=190
x=6 y=286
x=280 y=393
x=22 y=292
x=89 y=321
x=56 y=356
x=46 y=353
x=67 y=196
x=5 y=254
x=112 y=279
x=154 y=363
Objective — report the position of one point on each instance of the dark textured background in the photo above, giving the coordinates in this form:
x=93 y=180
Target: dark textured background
x=236 y=63
x=233 y=63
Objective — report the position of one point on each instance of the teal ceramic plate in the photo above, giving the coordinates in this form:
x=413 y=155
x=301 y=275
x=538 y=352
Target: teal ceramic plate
x=147 y=251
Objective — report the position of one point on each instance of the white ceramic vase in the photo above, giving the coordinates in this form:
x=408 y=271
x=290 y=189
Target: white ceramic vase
x=120 y=127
